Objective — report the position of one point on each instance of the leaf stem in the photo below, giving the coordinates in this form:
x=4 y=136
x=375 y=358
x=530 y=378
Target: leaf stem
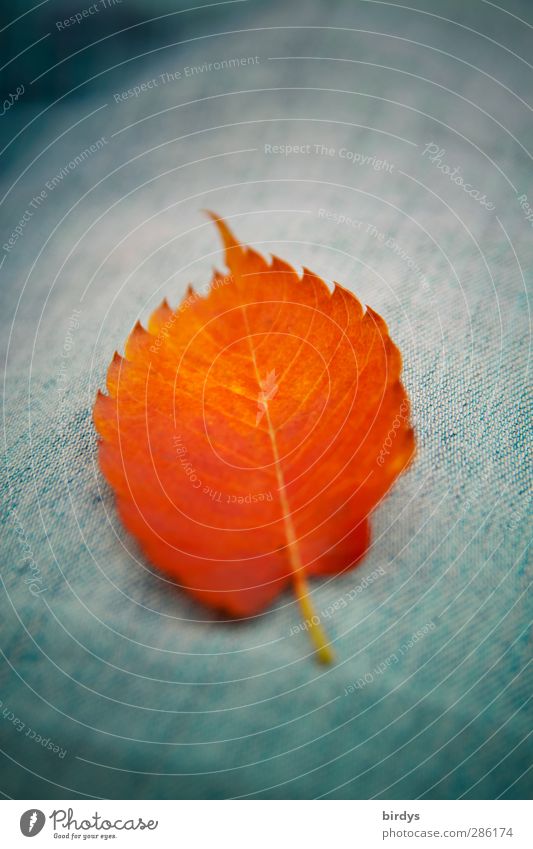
x=318 y=636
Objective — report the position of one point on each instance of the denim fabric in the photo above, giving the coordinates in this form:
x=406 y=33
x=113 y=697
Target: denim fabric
x=114 y=683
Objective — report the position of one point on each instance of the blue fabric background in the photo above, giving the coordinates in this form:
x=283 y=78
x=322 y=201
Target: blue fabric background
x=144 y=693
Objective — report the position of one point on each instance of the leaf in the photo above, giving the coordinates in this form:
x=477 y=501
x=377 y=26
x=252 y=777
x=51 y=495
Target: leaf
x=249 y=434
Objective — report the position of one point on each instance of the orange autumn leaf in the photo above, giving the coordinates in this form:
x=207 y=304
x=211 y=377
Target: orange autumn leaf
x=249 y=434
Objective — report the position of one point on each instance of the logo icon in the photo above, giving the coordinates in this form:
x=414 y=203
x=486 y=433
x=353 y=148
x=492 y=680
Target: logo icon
x=32 y=822
x=269 y=388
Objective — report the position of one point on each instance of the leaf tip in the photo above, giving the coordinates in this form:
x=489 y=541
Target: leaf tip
x=232 y=246
x=99 y=411
x=379 y=321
